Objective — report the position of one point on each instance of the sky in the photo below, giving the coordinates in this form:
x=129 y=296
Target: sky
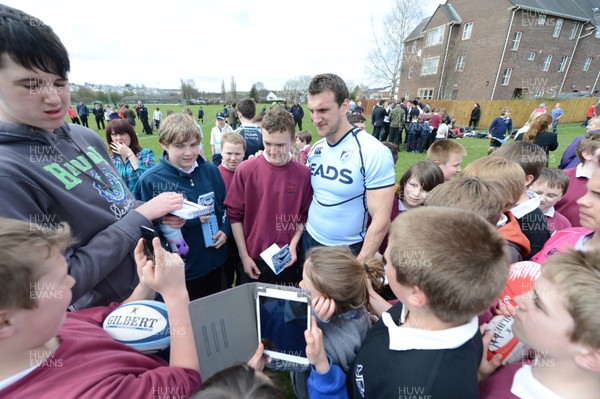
x=140 y=43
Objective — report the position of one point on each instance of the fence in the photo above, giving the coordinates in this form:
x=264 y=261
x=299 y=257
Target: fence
x=575 y=109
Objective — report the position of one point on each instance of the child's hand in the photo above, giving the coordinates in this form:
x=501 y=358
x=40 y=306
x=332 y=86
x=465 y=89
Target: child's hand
x=120 y=149
x=323 y=307
x=250 y=268
x=293 y=256
x=506 y=309
x=175 y=222
x=315 y=350
x=258 y=360
x=487 y=367
x=221 y=239
x=167 y=276
x=161 y=205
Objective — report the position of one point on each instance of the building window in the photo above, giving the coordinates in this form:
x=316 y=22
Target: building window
x=563 y=63
x=587 y=63
x=425 y=94
x=517 y=40
x=435 y=36
x=531 y=56
x=467 y=30
x=547 y=62
x=506 y=76
x=430 y=66
x=574 y=30
x=541 y=19
x=557 y=27
x=410 y=72
x=413 y=49
x=460 y=63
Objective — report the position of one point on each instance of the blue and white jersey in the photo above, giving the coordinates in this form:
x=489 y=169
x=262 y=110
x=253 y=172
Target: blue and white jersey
x=340 y=177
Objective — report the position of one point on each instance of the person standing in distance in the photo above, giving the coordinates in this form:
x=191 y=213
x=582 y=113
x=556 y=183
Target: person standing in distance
x=352 y=175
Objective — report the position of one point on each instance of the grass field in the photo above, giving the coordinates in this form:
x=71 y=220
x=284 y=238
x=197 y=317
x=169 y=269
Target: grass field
x=476 y=148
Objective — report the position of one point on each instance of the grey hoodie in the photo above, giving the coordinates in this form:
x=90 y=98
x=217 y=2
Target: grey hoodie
x=47 y=178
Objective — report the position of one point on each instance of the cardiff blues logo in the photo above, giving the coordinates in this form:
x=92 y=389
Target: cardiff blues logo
x=207 y=199
x=115 y=192
x=346 y=153
x=317 y=152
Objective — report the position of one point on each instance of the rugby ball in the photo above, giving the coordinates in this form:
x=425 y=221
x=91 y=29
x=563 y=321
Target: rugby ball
x=521 y=278
x=504 y=341
x=142 y=325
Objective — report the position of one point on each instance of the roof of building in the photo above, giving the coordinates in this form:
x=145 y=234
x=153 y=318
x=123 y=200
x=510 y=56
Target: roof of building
x=417 y=33
x=451 y=13
x=575 y=9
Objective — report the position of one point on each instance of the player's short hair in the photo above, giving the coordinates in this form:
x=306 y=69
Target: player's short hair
x=531 y=157
x=456 y=258
x=177 y=129
x=441 y=150
x=577 y=277
x=555 y=178
x=23 y=247
x=482 y=197
x=246 y=107
x=31 y=44
x=278 y=120
x=329 y=82
x=233 y=138
x=507 y=173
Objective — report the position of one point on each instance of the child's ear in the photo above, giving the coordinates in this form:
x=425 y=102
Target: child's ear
x=588 y=359
x=6 y=326
x=438 y=163
x=528 y=180
x=416 y=298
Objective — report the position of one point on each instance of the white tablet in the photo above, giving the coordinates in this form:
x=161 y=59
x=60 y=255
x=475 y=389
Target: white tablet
x=283 y=314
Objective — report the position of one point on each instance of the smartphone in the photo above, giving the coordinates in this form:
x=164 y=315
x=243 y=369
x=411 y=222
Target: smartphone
x=283 y=314
x=148 y=235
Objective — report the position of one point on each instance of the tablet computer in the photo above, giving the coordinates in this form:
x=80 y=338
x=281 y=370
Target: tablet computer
x=283 y=314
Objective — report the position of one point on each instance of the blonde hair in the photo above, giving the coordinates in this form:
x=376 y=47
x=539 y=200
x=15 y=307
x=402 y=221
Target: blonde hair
x=233 y=138
x=23 y=246
x=460 y=277
x=508 y=174
x=577 y=276
x=336 y=273
x=441 y=150
x=178 y=129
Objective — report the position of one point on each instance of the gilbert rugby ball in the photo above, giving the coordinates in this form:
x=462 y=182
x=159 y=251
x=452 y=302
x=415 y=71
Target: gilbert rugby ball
x=504 y=342
x=142 y=325
x=520 y=281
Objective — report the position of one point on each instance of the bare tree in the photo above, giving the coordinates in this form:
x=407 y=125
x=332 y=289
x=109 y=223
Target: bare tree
x=296 y=86
x=386 y=57
x=233 y=89
x=188 y=89
x=223 y=91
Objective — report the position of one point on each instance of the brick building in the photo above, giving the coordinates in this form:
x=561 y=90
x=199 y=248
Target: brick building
x=503 y=49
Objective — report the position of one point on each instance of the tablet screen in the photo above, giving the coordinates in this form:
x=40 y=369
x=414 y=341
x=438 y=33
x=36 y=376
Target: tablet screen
x=282 y=326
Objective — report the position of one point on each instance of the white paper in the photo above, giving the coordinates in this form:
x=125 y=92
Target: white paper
x=191 y=210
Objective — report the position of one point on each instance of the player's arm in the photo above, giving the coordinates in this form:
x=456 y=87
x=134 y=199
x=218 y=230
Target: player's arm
x=379 y=204
x=240 y=240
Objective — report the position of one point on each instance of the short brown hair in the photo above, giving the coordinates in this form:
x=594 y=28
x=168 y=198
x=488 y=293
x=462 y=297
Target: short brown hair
x=23 y=246
x=482 y=197
x=336 y=273
x=427 y=173
x=531 y=157
x=233 y=138
x=177 y=129
x=590 y=143
x=555 y=178
x=304 y=136
x=441 y=150
x=457 y=259
x=509 y=175
x=577 y=276
x=278 y=120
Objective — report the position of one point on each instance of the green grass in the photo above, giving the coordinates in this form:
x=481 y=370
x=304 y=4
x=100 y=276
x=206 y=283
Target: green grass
x=476 y=148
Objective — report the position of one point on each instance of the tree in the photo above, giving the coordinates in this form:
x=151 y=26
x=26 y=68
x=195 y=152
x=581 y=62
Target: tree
x=296 y=86
x=254 y=93
x=223 y=91
x=386 y=57
x=188 y=89
x=233 y=89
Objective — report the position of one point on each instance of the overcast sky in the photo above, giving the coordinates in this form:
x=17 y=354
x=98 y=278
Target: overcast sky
x=118 y=42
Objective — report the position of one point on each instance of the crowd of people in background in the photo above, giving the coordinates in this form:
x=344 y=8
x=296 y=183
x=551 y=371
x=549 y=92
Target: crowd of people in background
x=404 y=276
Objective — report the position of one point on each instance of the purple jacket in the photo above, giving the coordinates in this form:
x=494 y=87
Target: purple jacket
x=570 y=159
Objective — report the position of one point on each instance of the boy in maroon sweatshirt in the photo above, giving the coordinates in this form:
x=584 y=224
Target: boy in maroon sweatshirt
x=268 y=200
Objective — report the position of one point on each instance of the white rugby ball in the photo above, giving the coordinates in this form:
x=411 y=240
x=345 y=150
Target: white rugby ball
x=504 y=342
x=142 y=325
